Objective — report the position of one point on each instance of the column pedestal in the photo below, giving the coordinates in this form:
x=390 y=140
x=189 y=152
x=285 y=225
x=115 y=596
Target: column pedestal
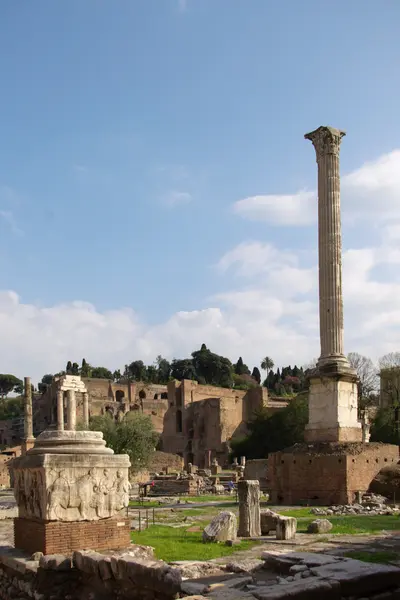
x=332 y=408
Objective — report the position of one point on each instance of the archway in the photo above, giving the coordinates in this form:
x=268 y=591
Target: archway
x=119 y=395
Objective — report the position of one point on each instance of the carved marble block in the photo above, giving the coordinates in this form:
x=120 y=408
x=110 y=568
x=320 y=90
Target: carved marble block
x=71 y=476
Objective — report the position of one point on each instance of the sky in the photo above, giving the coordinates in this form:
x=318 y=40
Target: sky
x=156 y=189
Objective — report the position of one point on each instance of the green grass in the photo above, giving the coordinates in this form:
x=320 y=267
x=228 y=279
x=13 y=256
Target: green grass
x=351 y=524
x=179 y=544
x=384 y=557
x=154 y=503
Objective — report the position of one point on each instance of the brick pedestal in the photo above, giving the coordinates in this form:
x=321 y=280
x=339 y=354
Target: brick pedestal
x=61 y=537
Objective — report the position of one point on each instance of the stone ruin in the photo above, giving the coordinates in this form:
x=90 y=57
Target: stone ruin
x=70 y=488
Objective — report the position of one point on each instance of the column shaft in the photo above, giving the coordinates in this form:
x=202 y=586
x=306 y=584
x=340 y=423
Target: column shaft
x=71 y=410
x=60 y=410
x=28 y=420
x=86 y=410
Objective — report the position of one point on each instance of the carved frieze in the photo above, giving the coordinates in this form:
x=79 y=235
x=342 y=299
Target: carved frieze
x=71 y=493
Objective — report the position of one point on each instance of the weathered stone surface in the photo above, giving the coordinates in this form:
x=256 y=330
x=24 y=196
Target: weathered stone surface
x=319 y=526
x=223 y=527
x=70 y=476
x=357 y=578
x=304 y=589
x=286 y=528
x=249 y=508
x=268 y=520
x=55 y=562
x=190 y=569
x=246 y=565
x=192 y=587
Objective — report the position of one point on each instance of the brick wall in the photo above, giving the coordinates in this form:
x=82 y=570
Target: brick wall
x=326 y=478
x=57 y=537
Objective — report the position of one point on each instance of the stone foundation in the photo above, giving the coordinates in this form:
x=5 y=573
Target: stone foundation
x=60 y=537
x=326 y=473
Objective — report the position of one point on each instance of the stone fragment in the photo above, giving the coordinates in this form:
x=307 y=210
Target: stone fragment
x=319 y=526
x=268 y=520
x=105 y=570
x=223 y=527
x=286 y=528
x=87 y=561
x=190 y=569
x=249 y=508
x=36 y=556
x=192 y=587
x=297 y=569
x=55 y=562
x=246 y=565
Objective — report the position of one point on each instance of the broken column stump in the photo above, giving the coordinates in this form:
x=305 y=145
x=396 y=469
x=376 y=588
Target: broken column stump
x=249 y=508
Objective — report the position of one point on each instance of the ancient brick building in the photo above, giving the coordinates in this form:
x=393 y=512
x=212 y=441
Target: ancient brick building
x=201 y=419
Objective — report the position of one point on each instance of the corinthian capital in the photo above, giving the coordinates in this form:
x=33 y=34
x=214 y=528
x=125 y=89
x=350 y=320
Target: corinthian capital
x=326 y=140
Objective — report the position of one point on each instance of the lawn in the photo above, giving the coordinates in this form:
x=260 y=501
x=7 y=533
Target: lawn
x=383 y=557
x=154 y=503
x=172 y=544
x=351 y=524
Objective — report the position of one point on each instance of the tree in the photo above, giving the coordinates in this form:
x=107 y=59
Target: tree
x=12 y=408
x=368 y=383
x=101 y=373
x=267 y=364
x=137 y=370
x=271 y=433
x=134 y=435
x=212 y=369
x=151 y=374
x=241 y=368
x=117 y=375
x=389 y=361
x=86 y=369
x=183 y=369
x=163 y=370
x=10 y=383
x=256 y=375
x=45 y=383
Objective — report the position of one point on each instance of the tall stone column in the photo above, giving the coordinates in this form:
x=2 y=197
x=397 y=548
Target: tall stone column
x=86 y=410
x=60 y=410
x=71 y=410
x=28 y=418
x=326 y=141
x=333 y=415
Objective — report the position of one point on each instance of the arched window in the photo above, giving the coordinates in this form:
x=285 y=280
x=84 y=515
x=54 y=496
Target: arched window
x=119 y=395
x=142 y=394
x=179 y=421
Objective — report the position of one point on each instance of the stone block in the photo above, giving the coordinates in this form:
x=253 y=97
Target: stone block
x=249 y=508
x=303 y=589
x=319 y=526
x=55 y=562
x=223 y=527
x=286 y=528
x=359 y=578
x=268 y=520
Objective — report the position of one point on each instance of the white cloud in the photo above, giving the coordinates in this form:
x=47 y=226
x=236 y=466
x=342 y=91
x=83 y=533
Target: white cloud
x=293 y=209
x=370 y=192
x=176 y=198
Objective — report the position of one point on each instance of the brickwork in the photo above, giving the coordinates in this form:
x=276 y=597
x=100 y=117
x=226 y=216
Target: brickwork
x=57 y=537
x=326 y=474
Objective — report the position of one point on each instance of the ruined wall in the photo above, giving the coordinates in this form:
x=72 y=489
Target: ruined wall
x=326 y=478
x=203 y=418
x=257 y=469
x=134 y=575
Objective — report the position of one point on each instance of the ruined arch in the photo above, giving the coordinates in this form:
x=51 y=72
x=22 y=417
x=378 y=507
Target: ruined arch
x=142 y=394
x=119 y=395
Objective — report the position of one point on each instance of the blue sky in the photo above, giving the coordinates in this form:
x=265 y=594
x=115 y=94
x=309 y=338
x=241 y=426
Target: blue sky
x=130 y=129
